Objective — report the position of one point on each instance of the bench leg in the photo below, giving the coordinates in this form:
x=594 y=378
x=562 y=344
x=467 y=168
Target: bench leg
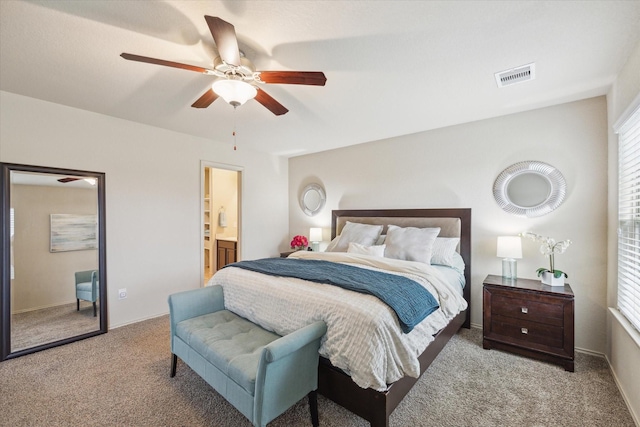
x=313 y=407
x=174 y=363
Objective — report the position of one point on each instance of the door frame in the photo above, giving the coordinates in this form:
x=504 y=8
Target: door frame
x=224 y=166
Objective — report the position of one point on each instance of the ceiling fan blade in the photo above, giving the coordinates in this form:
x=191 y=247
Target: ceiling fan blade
x=67 y=179
x=272 y=105
x=205 y=100
x=224 y=34
x=132 y=57
x=315 y=78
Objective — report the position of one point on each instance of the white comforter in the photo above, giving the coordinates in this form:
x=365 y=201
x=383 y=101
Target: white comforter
x=363 y=336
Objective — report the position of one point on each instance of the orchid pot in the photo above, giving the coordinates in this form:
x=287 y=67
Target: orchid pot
x=550 y=276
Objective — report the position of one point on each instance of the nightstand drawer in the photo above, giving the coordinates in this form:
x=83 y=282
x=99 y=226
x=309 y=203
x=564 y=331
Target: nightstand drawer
x=530 y=334
x=550 y=313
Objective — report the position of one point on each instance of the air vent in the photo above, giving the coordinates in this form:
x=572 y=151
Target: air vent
x=516 y=75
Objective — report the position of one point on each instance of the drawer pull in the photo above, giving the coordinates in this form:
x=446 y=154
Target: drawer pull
x=525 y=310
x=524 y=330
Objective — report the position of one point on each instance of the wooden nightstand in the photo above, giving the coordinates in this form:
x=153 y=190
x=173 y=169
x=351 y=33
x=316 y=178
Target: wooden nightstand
x=529 y=318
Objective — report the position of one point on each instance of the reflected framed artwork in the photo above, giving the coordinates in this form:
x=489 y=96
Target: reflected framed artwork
x=73 y=232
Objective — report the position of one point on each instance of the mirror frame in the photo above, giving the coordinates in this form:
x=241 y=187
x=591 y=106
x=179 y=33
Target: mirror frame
x=323 y=199
x=551 y=174
x=5 y=259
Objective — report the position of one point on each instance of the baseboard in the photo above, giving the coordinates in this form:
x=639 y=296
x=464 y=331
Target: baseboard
x=589 y=352
x=577 y=349
x=633 y=335
x=153 y=316
x=627 y=400
x=57 y=304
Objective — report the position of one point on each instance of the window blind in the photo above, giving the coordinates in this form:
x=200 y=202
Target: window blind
x=629 y=218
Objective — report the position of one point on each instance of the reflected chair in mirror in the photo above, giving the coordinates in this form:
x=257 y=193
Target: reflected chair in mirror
x=87 y=288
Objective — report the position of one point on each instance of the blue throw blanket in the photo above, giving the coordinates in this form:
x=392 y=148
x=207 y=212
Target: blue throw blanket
x=410 y=300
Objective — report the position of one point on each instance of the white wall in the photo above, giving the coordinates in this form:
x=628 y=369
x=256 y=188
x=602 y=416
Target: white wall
x=456 y=167
x=153 y=194
x=623 y=343
x=224 y=195
x=43 y=278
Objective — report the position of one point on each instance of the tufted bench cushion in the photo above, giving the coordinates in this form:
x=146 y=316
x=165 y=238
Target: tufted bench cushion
x=231 y=343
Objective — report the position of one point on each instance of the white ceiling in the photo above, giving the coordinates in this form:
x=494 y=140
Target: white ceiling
x=392 y=67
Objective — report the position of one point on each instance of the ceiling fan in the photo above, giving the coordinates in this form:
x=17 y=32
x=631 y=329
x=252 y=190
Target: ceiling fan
x=237 y=78
x=68 y=179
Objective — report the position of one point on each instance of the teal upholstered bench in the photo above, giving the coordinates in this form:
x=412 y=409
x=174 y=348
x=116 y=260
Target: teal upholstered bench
x=259 y=372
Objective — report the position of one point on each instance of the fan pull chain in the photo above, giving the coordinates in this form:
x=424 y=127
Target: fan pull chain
x=234 y=128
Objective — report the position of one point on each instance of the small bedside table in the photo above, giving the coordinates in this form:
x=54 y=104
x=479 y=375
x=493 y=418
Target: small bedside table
x=529 y=318
x=287 y=253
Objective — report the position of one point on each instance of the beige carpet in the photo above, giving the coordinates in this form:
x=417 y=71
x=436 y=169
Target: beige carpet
x=122 y=379
x=37 y=327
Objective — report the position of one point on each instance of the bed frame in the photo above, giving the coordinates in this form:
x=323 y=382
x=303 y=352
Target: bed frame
x=376 y=406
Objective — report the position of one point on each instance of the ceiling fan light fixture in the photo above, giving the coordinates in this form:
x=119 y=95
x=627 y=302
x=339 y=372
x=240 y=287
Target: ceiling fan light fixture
x=235 y=92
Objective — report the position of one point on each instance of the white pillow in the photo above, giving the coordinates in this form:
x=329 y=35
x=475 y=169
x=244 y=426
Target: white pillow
x=443 y=250
x=357 y=248
x=364 y=234
x=332 y=244
x=458 y=263
x=410 y=243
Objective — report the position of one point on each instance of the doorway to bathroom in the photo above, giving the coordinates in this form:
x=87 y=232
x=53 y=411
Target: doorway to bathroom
x=221 y=228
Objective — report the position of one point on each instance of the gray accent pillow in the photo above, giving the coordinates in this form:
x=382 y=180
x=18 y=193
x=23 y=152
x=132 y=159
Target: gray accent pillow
x=444 y=249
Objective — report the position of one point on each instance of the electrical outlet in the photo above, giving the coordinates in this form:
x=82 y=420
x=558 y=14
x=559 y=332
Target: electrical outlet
x=122 y=293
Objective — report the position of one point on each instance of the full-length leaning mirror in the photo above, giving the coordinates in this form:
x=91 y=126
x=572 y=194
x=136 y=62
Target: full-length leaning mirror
x=53 y=263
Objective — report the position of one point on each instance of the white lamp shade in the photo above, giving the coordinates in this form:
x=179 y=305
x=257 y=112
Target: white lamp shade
x=235 y=92
x=315 y=234
x=509 y=247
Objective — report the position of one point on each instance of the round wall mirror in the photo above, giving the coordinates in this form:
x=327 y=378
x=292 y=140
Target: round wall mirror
x=529 y=189
x=312 y=199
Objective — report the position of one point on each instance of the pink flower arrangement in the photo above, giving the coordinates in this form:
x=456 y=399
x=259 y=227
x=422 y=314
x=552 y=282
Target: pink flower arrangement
x=299 y=242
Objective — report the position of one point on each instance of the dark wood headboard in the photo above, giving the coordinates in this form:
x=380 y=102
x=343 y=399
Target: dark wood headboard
x=459 y=227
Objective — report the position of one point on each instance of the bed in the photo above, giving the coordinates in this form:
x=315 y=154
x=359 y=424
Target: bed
x=276 y=303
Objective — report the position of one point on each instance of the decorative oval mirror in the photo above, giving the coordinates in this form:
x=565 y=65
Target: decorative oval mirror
x=529 y=189
x=312 y=199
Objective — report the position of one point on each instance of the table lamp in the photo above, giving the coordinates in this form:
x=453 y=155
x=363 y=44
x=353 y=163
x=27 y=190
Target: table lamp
x=315 y=236
x=509 y=248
